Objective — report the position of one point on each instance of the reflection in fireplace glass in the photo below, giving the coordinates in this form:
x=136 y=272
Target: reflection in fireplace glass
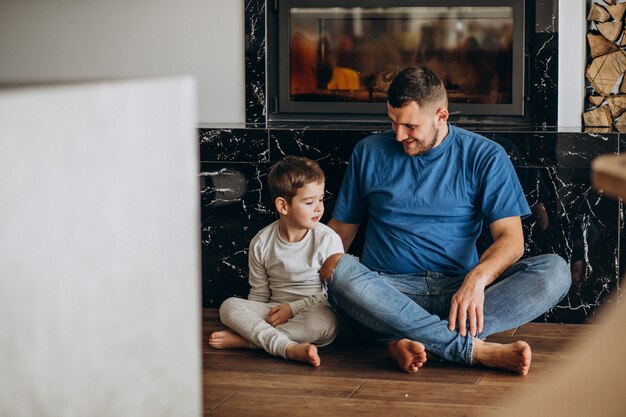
x=351 y=54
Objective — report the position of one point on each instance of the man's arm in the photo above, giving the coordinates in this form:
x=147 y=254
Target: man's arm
x=346 y=231
x=507 y=248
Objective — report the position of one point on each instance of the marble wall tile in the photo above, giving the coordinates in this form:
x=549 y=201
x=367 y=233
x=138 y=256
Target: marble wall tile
x=255 y=61
x=240 y=145
x=622 y=229
x=543 y=79
x=542 y=62
x=334 y=177
x=555 y=149
x=329 y=146
x=582 y=226
x=234 y=207
x=622 y=251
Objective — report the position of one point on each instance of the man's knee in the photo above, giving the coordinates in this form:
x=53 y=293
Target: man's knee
x=329 y=266
x=345 y=269
x=340 y=282
x=347 y=275
x=557 y=275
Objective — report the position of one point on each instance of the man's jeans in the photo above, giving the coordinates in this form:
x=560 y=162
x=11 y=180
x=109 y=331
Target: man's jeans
x=416 y=306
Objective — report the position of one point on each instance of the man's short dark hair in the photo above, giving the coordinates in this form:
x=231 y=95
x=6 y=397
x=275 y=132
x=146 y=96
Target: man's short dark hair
x=291 y=173
x=417 y=84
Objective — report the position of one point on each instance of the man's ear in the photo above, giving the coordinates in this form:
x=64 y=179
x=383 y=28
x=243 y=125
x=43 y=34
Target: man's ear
x=281 y=205
x=441 y=115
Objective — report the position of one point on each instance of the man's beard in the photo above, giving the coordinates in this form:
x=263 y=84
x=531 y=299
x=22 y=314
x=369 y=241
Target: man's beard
x=423 y=148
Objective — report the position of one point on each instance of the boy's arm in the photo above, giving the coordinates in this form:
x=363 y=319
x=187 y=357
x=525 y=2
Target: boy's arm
x=330 y=245
x=259 y=282
x=306 y=302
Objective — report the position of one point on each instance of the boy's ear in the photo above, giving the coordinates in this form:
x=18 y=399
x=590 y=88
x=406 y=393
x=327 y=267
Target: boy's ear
x=281 y=205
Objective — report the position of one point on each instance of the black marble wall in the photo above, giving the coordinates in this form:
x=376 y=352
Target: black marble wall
x=569 y=218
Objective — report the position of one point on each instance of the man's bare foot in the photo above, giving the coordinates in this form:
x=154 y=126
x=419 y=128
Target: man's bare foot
x=514 y=356
x=303 y=352
x=409 y=354
x=326 y=271
x=227 y=339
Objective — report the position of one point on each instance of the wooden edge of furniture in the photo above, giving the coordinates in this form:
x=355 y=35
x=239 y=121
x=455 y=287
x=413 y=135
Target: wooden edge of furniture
x=608 y=174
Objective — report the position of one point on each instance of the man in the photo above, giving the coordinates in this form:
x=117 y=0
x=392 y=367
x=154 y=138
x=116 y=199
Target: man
x=425 y=189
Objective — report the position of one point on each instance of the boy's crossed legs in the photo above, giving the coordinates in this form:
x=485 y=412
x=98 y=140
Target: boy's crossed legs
x=292 y=340
x=228 y=339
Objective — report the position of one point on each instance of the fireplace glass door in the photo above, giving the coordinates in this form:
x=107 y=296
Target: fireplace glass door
x=343 y=58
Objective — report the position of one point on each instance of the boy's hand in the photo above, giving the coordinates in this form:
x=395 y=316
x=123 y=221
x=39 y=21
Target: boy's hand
x=279 y=315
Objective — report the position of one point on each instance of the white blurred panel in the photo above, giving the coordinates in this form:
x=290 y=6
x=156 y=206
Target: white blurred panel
x=99 y=250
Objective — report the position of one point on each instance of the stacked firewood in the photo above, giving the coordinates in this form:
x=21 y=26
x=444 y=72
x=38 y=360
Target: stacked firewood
x=605 y=73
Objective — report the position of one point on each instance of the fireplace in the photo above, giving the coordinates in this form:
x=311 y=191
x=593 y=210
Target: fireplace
x=333 y=60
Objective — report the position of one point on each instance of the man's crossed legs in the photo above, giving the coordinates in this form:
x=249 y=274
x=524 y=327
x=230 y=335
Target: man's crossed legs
x=405 y=310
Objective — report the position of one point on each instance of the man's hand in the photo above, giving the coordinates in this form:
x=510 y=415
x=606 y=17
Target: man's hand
x=466 y=304
x=506 y=249
x=279 y=315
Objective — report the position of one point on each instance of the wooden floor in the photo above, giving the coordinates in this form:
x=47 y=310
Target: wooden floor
x=362 y=381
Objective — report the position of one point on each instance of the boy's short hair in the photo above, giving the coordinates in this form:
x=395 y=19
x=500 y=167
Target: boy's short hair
x=291 y=173
x=417 y=84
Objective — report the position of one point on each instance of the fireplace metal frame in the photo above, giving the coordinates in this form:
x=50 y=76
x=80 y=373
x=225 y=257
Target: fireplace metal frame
x=281 y=108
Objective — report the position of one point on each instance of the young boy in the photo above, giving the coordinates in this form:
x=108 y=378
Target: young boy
x=286 y=312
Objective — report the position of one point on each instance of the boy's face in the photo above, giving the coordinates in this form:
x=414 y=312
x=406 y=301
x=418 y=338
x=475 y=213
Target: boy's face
x=306 y=207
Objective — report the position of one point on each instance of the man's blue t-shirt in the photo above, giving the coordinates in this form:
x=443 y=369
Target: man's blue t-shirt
x=426 y=212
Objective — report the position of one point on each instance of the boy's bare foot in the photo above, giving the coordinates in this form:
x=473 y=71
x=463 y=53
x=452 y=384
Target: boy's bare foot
x=409 y=354
x=326 y=271
x=227 y=339
x=303 y=352
x=514 y=356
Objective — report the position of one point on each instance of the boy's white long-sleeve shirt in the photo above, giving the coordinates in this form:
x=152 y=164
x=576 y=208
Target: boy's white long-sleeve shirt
x=288 y=272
